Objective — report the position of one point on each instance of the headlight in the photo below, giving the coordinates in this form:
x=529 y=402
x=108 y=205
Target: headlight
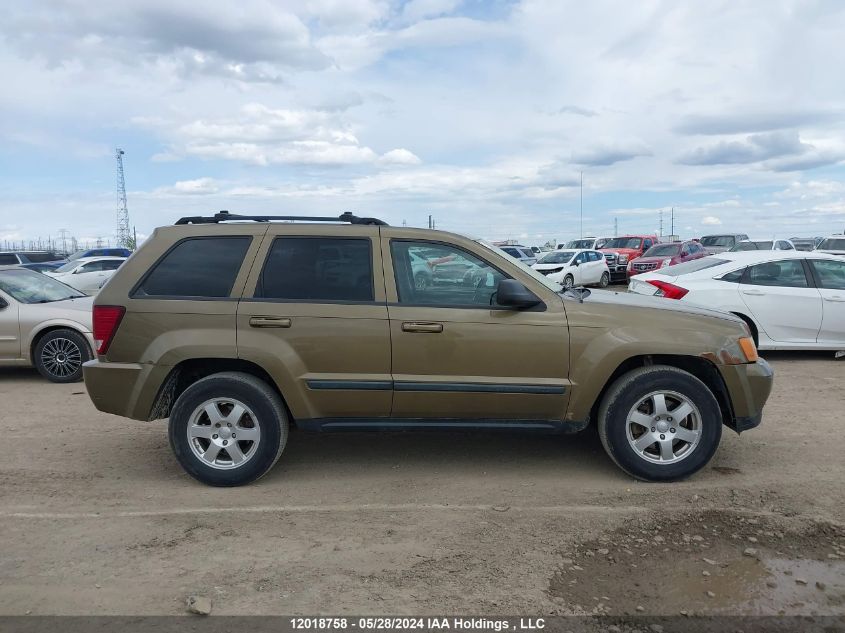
x=749 y=349
x=623 y=259
x=666 y=262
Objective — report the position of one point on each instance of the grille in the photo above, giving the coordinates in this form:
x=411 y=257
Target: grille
x=645 y=266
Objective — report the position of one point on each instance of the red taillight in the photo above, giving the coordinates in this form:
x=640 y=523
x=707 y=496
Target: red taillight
x=665 y=289
x=106 y=320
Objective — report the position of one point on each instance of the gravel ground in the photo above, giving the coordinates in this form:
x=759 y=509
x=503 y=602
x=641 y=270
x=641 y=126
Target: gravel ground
x=97 y=517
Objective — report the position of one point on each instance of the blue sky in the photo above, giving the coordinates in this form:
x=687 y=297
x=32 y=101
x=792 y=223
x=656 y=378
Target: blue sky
x=483 y=114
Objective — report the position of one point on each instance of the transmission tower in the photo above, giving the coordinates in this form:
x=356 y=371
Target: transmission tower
x=124 y=235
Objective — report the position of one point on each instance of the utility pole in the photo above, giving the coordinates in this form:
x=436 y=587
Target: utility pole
x=429 y=222
x=661 y=222
x=615 y=227
x=673 y=221
x=581 y=231
x=63 y=235
x=123 y=237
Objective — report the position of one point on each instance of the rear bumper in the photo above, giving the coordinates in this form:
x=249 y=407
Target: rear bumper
x=749 y=387
x=125 y=389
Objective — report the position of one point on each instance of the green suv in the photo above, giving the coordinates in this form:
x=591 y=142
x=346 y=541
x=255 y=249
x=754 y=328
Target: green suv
x=238 y=328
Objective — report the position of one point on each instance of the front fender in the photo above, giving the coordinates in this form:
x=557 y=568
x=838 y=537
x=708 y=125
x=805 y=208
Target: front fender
x=597 y=355
x=35 y=331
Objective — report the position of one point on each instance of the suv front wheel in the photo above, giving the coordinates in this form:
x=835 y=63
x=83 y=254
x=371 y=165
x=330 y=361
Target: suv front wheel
x=228 y=429
x=660 y=423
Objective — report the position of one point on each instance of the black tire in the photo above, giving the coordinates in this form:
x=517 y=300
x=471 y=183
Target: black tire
x=568 y=281
x=270 y=417
x=630 y=389
x=59 y=354
x=604 y=282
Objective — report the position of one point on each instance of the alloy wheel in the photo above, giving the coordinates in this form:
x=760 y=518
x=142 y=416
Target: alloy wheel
x=223 y=433
x=61 y=357
x=664 y=427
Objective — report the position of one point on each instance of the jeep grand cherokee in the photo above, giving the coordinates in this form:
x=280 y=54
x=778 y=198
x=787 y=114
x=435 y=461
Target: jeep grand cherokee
x=237 y=328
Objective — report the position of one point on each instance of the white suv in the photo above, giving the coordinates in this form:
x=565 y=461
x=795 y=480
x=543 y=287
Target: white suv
x=834 y=245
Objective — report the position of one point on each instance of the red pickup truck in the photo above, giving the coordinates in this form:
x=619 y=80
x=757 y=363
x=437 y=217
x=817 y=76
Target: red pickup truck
x=620 y=250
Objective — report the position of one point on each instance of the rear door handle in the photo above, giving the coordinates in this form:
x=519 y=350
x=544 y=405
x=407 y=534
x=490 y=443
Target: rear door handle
x=263 y=321
x=415 y=326
x=835 y=298
x=754 y=293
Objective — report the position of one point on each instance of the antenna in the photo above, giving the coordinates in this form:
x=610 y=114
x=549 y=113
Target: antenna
x=124 y=236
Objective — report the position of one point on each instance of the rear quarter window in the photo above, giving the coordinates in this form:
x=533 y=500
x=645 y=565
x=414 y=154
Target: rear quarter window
x=692 y=267
x=196 y=267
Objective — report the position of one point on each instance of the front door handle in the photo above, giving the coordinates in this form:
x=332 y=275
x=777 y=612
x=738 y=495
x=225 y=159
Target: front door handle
x=835 y=298
x=264 y=321
x=415 y=326
x=754 y=293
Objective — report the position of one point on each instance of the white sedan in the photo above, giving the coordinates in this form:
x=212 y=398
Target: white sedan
x=574 y=268
x=789 y=299
x=87 y=274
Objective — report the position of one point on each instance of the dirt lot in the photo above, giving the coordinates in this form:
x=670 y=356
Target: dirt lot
x=97 y=517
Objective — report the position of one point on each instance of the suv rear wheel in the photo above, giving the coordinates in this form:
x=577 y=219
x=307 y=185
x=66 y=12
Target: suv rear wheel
x=660 y=423
x=228 y=429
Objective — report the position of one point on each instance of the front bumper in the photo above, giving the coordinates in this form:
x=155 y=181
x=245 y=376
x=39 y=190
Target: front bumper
x=126 y=389
x=618 y=272
x=748 y=388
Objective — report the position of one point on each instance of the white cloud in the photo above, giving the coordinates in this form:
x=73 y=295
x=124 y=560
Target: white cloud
x=399 y=157
x=198 y=186
x=711 y=220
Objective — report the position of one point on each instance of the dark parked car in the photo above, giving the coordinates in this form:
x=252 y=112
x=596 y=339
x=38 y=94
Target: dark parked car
x=101 y=252
x=15 y=258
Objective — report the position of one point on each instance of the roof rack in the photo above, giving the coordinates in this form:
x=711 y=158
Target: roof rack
x=225 y=216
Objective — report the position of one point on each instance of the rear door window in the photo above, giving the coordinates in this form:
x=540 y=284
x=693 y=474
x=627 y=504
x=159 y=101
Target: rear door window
x=196 y=267
x=318 y=269
x=787 y=273
x=8 y=259
x=831 y=274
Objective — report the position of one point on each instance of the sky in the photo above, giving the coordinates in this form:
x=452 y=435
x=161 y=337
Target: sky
x=486 y=115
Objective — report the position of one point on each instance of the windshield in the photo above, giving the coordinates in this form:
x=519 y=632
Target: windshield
x=580 y=244
x=557 y=257
x=718 y=240
x=831 y=244
x=27 y=286
x=663 y=250
x=624 y=242
x=548 y=283
x=692 y=267
x=66 y=268
x=77 y=255
x=752 y=246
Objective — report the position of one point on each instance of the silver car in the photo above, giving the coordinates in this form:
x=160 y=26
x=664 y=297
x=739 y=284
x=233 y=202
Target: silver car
x=44 y=323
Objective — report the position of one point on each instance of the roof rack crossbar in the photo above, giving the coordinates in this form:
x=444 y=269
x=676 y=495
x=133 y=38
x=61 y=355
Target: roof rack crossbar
x=225 y=216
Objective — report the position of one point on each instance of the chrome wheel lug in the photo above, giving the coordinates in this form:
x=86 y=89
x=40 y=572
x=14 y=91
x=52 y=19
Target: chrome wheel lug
x=672 y=430
x=662 y=437
x=225 y=442
x=234 y=436
x=652 y=429
x=214 y=437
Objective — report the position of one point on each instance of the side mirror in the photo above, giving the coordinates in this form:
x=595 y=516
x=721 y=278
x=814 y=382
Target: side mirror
x=576 y=263
x=513 y=294
x=3 y=303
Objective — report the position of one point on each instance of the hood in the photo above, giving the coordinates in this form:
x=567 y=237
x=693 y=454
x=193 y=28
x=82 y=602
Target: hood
x=550 y=266
x=621 y=251
x=653 y=258
x=633 y=300
x=77 y=311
